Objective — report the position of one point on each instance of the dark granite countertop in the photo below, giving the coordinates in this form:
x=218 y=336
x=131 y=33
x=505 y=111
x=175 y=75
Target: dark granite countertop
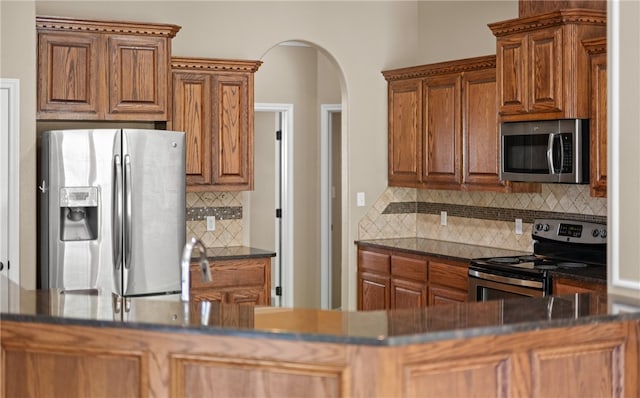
x=379 y=328
x=236 y=253
x=439 y=248
x=466 y=252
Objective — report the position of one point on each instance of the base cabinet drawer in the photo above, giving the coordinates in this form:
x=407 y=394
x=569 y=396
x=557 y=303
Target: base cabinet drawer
x=234 y=281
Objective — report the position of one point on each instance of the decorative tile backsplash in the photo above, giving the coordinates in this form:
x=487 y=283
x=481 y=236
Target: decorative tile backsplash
x=226 y=207
x=480 y=218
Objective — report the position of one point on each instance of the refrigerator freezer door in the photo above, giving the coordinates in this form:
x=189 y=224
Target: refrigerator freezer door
x=154 y=211
x=79 y=172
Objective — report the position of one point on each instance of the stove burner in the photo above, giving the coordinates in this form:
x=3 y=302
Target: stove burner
x=504 y=260
x=572 y=265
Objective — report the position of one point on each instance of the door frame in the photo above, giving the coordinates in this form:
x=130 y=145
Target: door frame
x=326 y=110
x=9 y=182
x=285 y=274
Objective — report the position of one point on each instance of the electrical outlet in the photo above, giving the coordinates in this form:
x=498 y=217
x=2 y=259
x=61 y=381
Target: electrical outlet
x=360 y=199
x=443 y=218
x=518 y=226
x=211 y=223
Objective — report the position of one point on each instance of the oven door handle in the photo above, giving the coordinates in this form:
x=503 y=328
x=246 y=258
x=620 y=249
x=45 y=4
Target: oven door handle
x=505 y=279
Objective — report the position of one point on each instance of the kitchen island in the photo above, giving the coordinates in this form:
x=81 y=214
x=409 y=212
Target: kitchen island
x=57 y=344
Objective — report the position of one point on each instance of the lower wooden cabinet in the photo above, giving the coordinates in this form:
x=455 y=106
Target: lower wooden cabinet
x=234 y=281
x=565 y=286
x=390 y=279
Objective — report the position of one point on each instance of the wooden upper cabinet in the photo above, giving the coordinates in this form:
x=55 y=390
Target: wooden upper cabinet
x=597 y=49
x=405 y=132
x=213 y=104
x=481 y=138
x=103 y=70
x=69 y=75
x=139 y=76
x=442 y=140
x=527 y=8
x=443 y=127
x=542 y=68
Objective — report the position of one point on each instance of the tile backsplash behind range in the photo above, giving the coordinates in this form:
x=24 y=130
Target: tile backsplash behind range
x=480 y=218
x=227 y=209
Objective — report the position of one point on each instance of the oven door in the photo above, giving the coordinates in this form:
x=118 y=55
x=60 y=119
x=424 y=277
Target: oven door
x=485 y=286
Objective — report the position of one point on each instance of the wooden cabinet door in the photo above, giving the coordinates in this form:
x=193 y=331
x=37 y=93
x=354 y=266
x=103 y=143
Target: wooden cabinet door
x=138 y=77
x=599 y=125
x=445 y=295
x=511 y=70
x=246 y=296
x=544 y=75
x=69 y=76
x=481 y=155
x=408 y=294
x=192 y=114
x=233 y=132
x=405 y=132
x=442 y=140
x=373 y=291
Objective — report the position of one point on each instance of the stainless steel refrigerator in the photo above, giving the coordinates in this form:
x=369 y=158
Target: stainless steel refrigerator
x=111 y=210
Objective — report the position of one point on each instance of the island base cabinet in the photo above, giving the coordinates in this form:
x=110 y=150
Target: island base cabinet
x=57 y=360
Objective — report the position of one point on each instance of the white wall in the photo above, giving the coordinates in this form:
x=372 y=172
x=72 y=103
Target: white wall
x=458 y=29
x=18 y=61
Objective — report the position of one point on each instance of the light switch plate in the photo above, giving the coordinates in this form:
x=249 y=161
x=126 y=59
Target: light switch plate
x=360 y=199
x=443 y=218
x=518 y=226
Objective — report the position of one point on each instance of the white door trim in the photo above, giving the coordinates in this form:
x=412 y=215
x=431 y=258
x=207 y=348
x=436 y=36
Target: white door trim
x=9 y=182
x=325 y=202
x=286 y=257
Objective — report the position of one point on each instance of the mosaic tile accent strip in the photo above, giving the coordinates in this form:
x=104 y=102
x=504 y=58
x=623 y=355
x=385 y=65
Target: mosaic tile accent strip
x=484 y=213
x=221 y=213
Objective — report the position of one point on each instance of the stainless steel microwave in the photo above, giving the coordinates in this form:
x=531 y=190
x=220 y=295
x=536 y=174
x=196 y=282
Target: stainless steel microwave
x=545 y=151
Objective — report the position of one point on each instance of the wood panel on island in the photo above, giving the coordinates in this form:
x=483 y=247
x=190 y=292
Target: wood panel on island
x=213 y=104
x=103 y=70
x=443 y=127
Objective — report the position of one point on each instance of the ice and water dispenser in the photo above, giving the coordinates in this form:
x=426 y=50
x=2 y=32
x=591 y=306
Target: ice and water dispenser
x=79 y=213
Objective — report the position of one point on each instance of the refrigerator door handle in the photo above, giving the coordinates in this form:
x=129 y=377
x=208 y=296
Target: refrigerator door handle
x=127 y=209
x=117 y=213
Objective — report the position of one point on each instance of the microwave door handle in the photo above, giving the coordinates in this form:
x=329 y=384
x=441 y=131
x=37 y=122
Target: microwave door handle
x=550 y=148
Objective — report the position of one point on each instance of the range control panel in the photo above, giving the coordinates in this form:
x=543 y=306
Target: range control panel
x=570 y=231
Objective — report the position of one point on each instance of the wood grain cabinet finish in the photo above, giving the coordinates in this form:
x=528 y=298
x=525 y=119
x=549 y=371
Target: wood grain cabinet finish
x=389 y=279
x=443 y=127
x=46 y=359
x=405 y=132
x=103 y=70
x=374 y=279
x=213 y=103
x=566 y=286
x=235 y=281
x=542 y=68
x=597 y=50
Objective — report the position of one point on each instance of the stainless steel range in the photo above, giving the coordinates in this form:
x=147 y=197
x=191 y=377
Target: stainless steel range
x=561 y=247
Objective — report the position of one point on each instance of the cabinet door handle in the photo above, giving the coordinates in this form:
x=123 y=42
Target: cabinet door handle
x=1 y=265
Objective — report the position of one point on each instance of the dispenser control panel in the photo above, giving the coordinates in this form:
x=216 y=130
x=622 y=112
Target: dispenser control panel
x=79 y=197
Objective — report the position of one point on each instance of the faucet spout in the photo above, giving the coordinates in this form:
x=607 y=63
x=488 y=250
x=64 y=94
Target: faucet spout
x=205 y=272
